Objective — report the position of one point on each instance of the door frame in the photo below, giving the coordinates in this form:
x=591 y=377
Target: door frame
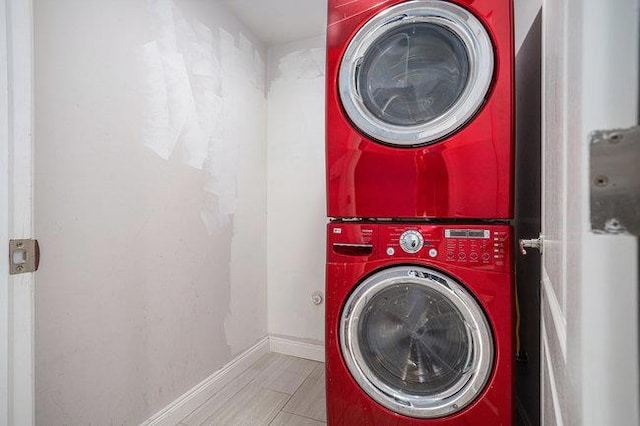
x=608 y=317
x=16 y=212
x=589 y=300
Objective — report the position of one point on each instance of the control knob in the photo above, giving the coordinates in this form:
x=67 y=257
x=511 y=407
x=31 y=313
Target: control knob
x=411 y=241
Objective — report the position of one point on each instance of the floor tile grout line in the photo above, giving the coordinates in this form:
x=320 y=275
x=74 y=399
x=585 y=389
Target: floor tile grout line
x=235 y=394
x=201 y=405
x=254 y=382
x=303 y=380
x=302 y=415
x=298 y=387
x=214 y=395
x=204 y=423
x=274 y=419
x=282 y=409
x=232 y=396
x=297 y=415
x=291 y=396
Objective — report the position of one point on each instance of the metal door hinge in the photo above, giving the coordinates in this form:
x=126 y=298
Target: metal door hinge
x=534 y=243
x=24 y=256
x=615 y=181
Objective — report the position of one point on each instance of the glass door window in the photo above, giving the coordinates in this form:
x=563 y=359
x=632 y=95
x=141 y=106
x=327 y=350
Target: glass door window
x=413 y=74
x=416 y=341
x=416 y=72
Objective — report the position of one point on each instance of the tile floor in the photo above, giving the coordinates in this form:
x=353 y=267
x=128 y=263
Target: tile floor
x=277 y=390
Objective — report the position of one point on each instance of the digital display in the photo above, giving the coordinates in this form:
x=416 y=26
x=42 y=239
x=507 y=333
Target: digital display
x=467 y=233
x=454 y=233
x=473 y=233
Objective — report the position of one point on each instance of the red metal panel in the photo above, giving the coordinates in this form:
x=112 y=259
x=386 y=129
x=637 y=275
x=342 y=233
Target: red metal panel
x=468 y=174
x=489 y=282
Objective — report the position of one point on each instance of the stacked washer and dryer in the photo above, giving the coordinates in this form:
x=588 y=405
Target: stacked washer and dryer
x=420 y=194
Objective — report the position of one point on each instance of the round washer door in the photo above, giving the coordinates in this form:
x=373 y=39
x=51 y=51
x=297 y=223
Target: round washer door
x=416 y=342
x=416 y=72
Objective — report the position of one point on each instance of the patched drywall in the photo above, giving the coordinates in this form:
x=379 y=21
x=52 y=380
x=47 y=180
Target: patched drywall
x=150 y=203
x=194 y=81
x=296 y=215
x=205 y=98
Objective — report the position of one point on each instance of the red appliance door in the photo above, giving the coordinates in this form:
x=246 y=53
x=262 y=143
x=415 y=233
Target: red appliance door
x=416 y=72
x=417 y=342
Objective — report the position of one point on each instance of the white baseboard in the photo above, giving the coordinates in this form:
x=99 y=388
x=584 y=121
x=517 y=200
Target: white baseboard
x=196 y=396
x=297 y=348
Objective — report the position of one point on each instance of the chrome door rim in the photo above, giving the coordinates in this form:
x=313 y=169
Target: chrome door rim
x=466 y=389
x=481 y=63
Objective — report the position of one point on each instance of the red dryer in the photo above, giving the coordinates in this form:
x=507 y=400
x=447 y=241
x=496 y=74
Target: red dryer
x=420 y=109
x=418 y=325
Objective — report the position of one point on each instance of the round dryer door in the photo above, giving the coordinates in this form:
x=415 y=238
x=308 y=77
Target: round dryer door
x=416 y=342
x=416 y=72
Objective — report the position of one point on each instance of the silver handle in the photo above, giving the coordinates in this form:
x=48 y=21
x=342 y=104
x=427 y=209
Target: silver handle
x=534 y=243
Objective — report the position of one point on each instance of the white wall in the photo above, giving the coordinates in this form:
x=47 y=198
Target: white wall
x=150 y=203
x=296 y=212
x=524 y=13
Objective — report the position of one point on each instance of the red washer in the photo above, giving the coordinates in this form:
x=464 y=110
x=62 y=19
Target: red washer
x=416 y=334
x=420 y=109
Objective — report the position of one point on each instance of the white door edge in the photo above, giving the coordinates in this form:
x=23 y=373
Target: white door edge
x=16 y=217
x=609 y=293
x=4 y=224
x=590 y=282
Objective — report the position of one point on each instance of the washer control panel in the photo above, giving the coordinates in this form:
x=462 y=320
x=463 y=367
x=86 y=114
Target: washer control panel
x=483 y=246
x=411 y=241
x=476 y=246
